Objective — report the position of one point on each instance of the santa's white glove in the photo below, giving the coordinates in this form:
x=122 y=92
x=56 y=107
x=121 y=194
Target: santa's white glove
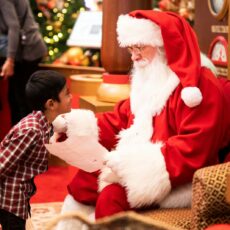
x=59 y=124
x=78 y=122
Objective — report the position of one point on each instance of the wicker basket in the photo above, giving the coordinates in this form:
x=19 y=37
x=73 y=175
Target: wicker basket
x=126 y=221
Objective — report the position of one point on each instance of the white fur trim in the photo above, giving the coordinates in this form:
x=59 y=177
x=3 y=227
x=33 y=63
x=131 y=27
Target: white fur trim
x=191 y=96
x=205 y=61
x=81 y=122
x=180 y=197
x=133 y=31
x=142 y=171
x=70 y=205
x=106 y=177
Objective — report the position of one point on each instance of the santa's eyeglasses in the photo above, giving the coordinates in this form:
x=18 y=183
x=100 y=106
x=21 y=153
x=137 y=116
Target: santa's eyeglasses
x=135 y=49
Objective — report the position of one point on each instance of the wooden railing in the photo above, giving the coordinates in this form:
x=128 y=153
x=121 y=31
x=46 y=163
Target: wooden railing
x=68 y=70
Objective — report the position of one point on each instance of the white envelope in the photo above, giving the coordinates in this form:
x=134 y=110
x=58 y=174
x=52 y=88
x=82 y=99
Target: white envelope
x=83 y=152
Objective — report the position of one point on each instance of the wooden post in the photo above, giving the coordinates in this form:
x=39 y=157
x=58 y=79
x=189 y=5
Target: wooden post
x=115 y=60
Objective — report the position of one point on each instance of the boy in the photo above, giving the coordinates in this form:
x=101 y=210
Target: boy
x=22 y=152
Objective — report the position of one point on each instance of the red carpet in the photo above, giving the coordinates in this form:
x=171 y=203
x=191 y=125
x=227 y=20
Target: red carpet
x=51 y=185
x=4 y=109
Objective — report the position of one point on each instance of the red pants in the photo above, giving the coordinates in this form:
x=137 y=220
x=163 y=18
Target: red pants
x=112 y=199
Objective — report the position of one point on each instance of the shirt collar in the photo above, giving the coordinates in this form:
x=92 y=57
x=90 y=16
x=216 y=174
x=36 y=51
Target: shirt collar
x=39 y=115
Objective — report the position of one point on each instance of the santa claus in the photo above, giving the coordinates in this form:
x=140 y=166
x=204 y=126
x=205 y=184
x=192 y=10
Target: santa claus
x=173 y=123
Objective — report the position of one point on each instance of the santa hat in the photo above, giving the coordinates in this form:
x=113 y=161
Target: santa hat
x=168 y=30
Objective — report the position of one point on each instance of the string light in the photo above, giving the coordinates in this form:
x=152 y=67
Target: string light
x=56 y=23
x=49 y=27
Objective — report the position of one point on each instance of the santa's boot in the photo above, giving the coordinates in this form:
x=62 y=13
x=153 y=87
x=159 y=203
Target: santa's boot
x=70 y=205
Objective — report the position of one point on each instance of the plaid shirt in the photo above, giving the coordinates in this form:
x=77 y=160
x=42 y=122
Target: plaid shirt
x=22 y=157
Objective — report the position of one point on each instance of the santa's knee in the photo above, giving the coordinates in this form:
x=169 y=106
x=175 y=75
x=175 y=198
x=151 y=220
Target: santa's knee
x=112 y=200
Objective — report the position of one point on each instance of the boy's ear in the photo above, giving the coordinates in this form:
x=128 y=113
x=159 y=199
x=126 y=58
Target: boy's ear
x=50 y=104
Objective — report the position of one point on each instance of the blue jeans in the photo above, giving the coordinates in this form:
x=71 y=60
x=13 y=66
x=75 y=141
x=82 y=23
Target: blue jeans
x=3 y=45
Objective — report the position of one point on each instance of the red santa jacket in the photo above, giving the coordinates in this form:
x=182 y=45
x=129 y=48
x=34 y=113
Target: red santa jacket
x=183 y=140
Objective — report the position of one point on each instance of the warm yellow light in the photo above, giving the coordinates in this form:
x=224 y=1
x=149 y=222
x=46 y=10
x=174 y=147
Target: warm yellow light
x=59 y=15
x=56 y=38
x=64 y=11
x=49 y=27
x=60 y=35
x=46 y=39
x=51 y=52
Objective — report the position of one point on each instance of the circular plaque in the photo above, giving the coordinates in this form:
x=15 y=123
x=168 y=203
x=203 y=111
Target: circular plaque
x=218 y=8
x=218 y=51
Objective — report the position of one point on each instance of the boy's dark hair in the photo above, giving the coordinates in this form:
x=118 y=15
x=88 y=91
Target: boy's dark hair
x=42 y=86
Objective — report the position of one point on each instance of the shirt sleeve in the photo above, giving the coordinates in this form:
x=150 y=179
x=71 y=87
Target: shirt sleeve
x=11 y=20
x=111 y=123
x=14 y=148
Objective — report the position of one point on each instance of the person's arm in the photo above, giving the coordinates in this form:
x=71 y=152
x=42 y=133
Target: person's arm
x=11 y=151
x=11 y=20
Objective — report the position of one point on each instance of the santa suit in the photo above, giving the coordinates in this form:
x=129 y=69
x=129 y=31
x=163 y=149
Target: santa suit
x=183 y=139
x=157 y=146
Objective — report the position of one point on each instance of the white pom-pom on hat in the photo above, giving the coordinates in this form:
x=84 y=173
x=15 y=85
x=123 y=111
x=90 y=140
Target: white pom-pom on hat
x=191 y=96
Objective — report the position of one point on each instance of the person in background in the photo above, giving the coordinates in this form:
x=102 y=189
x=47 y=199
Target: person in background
x=25 y=49
x=22 y=152
x=175 y=122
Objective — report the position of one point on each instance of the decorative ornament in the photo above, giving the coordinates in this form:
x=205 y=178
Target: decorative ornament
x=218 y=8
x=183 y=7
x=57 y=25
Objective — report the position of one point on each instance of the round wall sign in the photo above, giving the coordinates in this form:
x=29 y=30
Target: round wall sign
x=218 y=51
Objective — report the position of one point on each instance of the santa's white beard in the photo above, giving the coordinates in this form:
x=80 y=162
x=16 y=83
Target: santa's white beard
x=148 y=79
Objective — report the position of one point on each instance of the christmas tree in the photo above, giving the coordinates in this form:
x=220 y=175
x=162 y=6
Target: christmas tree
x=56 y=19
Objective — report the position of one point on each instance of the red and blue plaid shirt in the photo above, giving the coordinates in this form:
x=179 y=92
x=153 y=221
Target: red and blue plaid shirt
x=22 y=157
